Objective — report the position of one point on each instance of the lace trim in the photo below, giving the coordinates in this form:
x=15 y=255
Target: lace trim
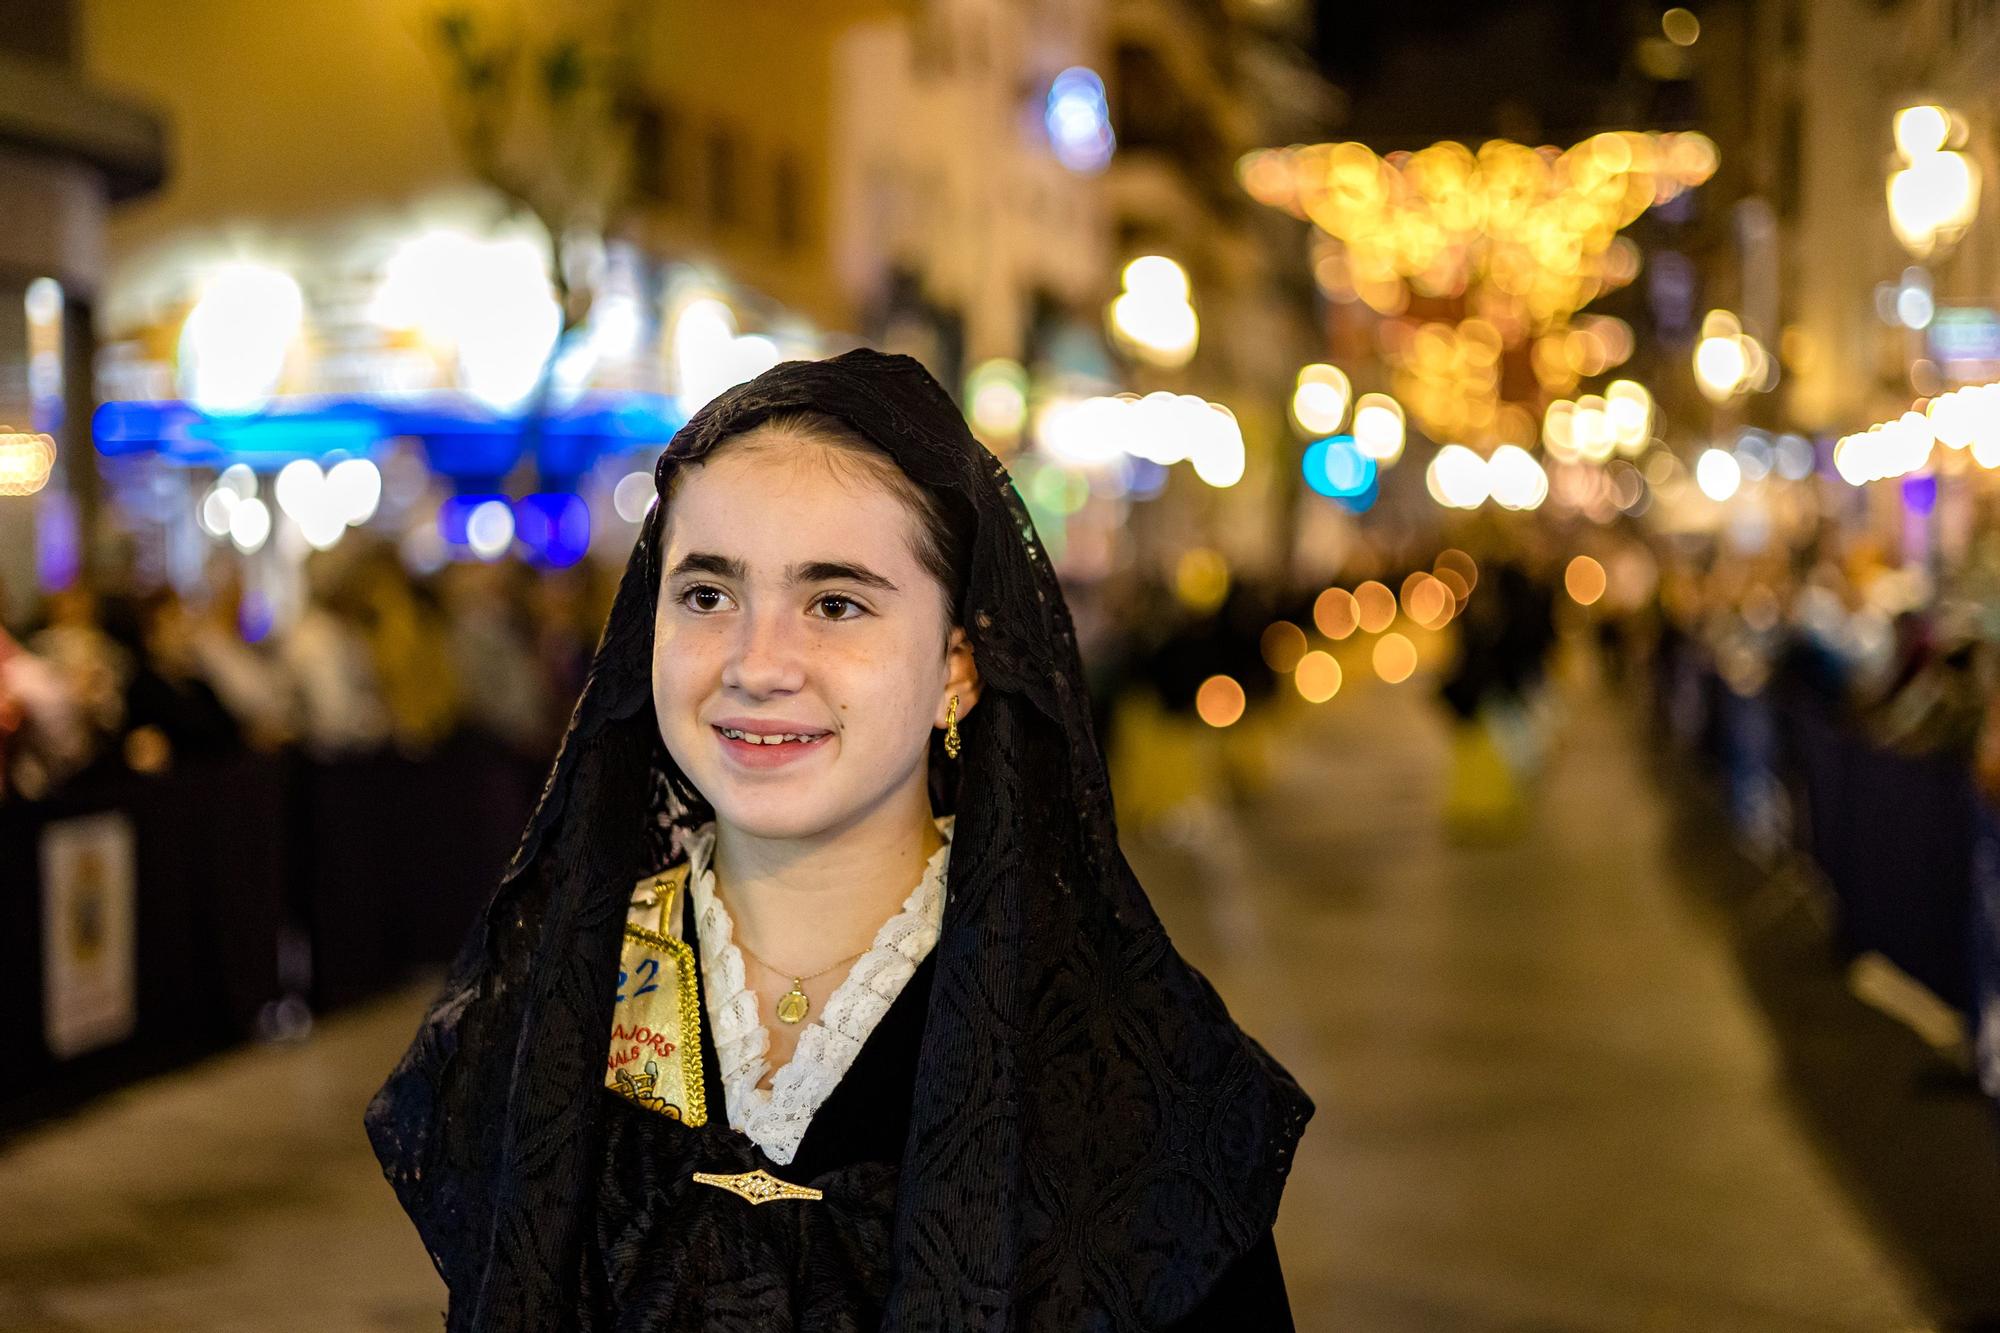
x=776 y=1118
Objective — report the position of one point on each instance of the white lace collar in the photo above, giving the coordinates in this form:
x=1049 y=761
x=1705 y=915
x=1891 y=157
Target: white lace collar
x=775 y=1118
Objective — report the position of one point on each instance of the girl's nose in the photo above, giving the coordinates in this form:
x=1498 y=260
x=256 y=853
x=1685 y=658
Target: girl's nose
x=768 y=657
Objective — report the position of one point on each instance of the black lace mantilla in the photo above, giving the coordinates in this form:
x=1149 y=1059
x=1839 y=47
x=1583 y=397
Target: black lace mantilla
x=1092 y=1141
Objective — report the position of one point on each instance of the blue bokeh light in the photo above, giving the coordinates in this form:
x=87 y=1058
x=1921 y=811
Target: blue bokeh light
x=1336 y=468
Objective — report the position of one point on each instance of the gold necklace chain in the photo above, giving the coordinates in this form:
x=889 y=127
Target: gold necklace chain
x=795 y=1004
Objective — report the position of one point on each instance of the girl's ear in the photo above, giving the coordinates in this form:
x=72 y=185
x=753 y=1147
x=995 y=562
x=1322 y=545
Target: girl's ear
x=961 y=676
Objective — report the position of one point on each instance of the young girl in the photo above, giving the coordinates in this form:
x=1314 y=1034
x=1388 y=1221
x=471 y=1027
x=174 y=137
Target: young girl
x=887 y=1035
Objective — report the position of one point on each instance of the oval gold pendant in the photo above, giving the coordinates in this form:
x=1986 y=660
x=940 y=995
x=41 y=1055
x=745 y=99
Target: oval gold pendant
x=793 y=1005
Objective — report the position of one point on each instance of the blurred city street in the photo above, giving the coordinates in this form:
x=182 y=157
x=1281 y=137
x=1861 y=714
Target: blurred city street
x=1550 y=1095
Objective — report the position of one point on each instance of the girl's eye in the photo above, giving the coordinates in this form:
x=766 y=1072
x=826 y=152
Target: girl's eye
x=702 y=597
x=833 y=606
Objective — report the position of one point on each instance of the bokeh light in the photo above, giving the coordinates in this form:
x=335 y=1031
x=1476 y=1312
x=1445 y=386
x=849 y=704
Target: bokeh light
x=1375 y=607
x=1454 y=563
x=1220 y=701
x=1317 y=677
x=1201 y=579
x=1427 y=601
x=1321 y=399
x=1283 y=645
x=1584 y=579
x=1336 y=614
x=1395 y=658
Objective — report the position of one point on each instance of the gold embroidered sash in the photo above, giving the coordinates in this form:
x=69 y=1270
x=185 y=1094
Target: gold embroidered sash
x=655 y=1053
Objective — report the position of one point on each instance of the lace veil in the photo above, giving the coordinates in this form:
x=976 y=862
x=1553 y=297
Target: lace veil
x=1093 y=1140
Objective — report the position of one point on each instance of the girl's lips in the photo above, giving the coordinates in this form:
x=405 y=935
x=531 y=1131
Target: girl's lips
x=755 y=755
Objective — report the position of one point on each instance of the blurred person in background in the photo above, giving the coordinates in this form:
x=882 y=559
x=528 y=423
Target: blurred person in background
x=44 y=737
x=886 y=1010
x=170 y=708
x=411 y=650
x=1493 y=688
x=246 y=676
x=493 y=658
x=565 y=607
x=326 y=655
x=94 y=667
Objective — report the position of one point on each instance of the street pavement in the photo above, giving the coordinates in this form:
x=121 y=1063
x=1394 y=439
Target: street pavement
x=1556 y=1089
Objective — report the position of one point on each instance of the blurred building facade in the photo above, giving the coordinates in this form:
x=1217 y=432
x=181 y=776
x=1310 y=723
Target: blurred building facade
x=1195 y=85
x=69 y=152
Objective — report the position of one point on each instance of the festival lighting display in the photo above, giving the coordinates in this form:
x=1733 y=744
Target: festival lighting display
x=1475 y=257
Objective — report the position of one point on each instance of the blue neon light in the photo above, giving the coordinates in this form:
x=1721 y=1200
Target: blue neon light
x=460 y=438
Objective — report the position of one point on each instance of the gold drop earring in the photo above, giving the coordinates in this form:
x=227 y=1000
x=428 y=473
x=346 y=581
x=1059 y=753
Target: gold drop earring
x=951 y=742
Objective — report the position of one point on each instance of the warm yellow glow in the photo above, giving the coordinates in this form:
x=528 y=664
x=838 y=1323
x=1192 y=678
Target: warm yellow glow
x=1517 y=480
x=1457 y=478
x=1933 y=199
x=1201 y=579
x=1516 y=239
x=1318 y=677
x=1628 y=410
x=1720 y=366
x=1718 y=474
x=1921 y=130
x=996 y=398
x=26 y=459
x=1395 y=658
x=1426 y=600
x=1681 y=27
x=1283 y=644
x=1220 y=701
x=1153 y=319
x=1378 y=427
x=1897 y=448
x=1336 y=614
x=1452 y=561
x=1585 y=580
x=1319 y=403
x=1375 y=607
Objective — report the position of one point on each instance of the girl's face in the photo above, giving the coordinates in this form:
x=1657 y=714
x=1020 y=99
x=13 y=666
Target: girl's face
x=801 y=655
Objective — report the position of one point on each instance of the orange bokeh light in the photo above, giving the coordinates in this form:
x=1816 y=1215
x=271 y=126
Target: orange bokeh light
x=1395 y=658
x=1335 y=613
x=1318 y=677
x=1220 y=701
x=1376 y=606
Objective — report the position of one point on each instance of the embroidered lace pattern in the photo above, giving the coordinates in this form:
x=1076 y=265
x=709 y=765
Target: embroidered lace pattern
x=776 y=1118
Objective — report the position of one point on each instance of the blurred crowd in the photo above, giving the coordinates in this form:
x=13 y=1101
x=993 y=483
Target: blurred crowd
x=375 y=658
x=1908 y=657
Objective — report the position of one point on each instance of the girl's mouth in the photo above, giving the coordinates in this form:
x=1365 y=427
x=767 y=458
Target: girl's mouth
x=757 y=748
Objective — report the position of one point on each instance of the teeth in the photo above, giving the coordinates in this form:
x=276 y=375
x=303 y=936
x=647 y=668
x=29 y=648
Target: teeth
x=778 y=738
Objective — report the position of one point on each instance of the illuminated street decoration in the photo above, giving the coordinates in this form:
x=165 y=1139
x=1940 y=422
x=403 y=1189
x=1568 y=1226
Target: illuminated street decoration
x=1458 y=478
x=1598 y=427
x=1934 y=194
x=1321 y=400
x=1153 y=319
x=1161 y=428
x=1472 y=256
x=1728 y=361
x=996 y=400
x=26 y=459
x=1078 y=120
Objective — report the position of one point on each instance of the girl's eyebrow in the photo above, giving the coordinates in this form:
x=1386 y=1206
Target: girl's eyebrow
x=837 y=571
x=812 y=571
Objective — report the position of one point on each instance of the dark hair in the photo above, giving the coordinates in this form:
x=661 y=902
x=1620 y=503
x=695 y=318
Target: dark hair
x=940 y=548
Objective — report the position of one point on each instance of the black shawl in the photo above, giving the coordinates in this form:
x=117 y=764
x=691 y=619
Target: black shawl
x=1093 y=1140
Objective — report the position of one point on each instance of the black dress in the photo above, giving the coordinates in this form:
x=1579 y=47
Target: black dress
x=664 y=1254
